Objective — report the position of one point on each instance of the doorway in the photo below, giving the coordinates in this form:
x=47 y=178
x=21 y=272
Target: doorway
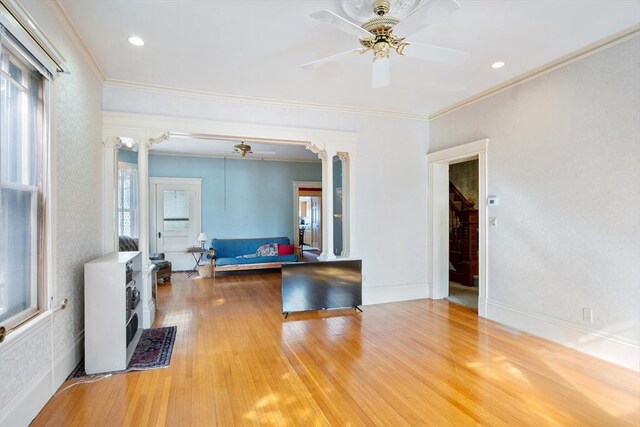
x=307 y=218
x=175 y=218
x=310 y=233
x=439 y=219
x=463 y=233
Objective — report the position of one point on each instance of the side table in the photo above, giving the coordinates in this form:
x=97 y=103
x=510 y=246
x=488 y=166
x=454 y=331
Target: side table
x=197 y=254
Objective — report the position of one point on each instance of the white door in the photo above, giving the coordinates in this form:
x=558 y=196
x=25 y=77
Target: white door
x=177 y=222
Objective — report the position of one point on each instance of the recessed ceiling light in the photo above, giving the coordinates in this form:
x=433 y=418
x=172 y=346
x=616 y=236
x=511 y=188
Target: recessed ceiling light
x=136 y=41
x=498 y=64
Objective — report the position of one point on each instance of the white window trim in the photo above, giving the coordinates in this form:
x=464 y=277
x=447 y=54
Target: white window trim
x=26 y=30
x=42 y=314
x=127 y=165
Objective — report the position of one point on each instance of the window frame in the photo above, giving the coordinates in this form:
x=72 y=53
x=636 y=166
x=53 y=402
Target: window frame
x=18 y=55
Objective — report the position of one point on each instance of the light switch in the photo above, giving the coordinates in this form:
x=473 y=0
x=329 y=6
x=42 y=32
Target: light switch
x=493 y=221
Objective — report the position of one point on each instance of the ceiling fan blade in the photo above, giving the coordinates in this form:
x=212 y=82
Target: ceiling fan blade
x=340 y=23
x=429 y=13
x=265 y=153
x=432 y=53
x=380 y=73
x=315 y=64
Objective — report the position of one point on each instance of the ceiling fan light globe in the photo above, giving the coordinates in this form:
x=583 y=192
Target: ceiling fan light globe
x=381 y=50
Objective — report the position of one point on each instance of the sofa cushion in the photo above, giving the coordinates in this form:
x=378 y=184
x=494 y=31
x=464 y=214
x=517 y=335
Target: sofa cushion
x=268 y=249
x=285 y=249
x=255 y=260
x=231 y=248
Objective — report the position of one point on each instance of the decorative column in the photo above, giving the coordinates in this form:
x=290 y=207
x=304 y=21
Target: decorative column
x=349 y=181
x=345 y=199
x=148 y=307
x=327 y=205
x=143 y=200
x=110 y=194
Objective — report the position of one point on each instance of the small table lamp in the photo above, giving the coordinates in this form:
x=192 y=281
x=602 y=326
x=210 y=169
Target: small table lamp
x=202 y=238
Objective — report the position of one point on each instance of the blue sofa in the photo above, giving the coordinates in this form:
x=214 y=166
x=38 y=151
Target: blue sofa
x=227 y=252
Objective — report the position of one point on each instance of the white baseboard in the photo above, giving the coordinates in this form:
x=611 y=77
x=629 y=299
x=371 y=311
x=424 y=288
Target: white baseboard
x=482 y=307
x=24 y=407
x=614 y=349
x=28 y=403
x=382 y=294
x=65 y=363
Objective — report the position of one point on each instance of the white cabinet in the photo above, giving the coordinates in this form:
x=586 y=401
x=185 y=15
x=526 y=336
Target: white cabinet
x=113 y=317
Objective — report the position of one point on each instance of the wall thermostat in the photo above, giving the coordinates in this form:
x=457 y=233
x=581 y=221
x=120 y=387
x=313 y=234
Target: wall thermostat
x=492 y=200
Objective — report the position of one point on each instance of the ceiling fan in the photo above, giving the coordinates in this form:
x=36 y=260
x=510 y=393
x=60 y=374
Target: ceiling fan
x=384 y=33
x=244 y=149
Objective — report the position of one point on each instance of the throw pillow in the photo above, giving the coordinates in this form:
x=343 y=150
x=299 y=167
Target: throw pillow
x=269 y=249
x=285 y=250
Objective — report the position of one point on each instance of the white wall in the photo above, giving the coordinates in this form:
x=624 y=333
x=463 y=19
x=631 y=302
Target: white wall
x=564 y=158
x=391 y=175
x=33 y=366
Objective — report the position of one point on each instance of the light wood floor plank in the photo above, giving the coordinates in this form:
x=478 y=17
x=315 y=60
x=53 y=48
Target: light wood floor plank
x=238 y=362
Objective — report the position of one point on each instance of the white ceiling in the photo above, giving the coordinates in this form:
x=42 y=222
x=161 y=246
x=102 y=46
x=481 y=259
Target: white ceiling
x=221 y=148
x=255 y=47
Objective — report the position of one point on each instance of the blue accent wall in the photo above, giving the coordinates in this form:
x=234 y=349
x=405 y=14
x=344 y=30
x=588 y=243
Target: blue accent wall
x=128 y=156
x=241 y=198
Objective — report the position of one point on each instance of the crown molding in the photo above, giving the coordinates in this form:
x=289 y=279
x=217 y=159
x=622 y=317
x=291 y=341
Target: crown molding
x=260 y=101
x=253 y=157
x=134 y=125
x=73 y=33
x=563 y=61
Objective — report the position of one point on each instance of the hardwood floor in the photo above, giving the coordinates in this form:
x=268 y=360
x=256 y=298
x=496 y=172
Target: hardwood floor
x=236 y=361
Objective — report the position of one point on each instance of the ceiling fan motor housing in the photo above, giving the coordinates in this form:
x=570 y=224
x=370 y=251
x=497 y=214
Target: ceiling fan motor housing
x=243 y=149
x=381 y=7
x=383 y=38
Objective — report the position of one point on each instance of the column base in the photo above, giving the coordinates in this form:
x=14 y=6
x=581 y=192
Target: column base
x=326 y=256
x=148 y=306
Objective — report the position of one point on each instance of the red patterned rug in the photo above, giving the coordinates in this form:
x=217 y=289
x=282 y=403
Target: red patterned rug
x=153 y=351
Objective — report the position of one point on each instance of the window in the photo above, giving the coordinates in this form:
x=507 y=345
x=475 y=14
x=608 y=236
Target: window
x=176 y=210
x=127 y=199
x=22 y=173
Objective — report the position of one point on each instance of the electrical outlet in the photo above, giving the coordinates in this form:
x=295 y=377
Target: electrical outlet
x=587 y=314
x=493 y=221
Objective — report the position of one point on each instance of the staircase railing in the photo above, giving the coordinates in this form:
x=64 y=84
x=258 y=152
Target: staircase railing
x=463 y=237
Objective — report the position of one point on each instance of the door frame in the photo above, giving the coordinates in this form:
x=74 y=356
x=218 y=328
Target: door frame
x=153 y=184
x=296 y=209
x=438 y=197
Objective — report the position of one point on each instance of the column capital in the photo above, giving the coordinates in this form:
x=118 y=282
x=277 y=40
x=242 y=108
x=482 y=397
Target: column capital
x=114 y=142
x=143 y=144
x=344 y=157
x=314 y=149
x=147 y=143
